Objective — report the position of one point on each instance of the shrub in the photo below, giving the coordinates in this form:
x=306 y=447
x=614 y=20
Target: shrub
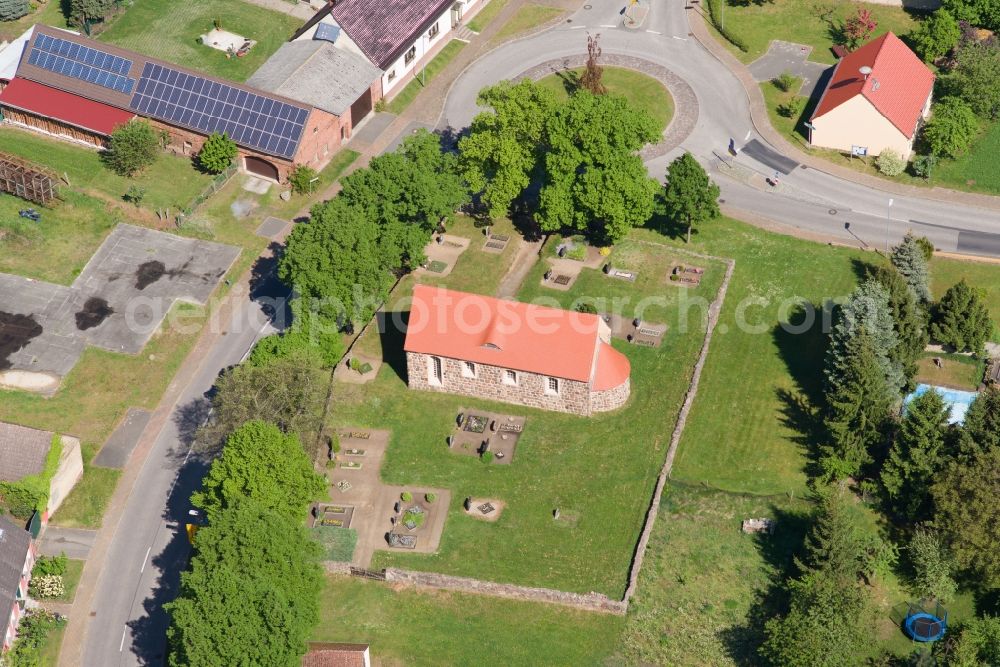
x=923 y=165
x=217 y=153
x=715 y=12
x=430 y=497
x=134 y=194
x=792 y=108
x=890 y=163
x=133 y=146
x=785 y=81
x=605 y=251
x=927 y=246
x=406 y=496
x=11 y=10
x=335 y=443
x=487 y=457
x=47 y=586
x=302 y=179
x=951 y=129
x=49 y=565
x=585 y=307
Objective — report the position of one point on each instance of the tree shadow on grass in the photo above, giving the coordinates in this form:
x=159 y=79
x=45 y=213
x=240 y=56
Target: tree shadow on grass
x=743 y=641
x=392 y=334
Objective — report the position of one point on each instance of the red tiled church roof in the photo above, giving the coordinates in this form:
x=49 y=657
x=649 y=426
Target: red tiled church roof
x=78 y=111
x=514 y=335
x=897 y=87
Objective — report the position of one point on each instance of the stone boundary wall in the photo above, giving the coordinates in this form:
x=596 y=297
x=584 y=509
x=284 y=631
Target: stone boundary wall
x=685 y=101
x=675 y=438
x=595 y=602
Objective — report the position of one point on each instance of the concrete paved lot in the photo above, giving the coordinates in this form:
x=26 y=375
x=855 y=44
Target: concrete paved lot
x=116 y=303
x=789 y=57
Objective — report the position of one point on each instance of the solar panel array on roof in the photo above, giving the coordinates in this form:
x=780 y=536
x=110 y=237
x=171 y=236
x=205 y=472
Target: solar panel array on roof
x=327 y=31
x=82 y=62
x=255 y=121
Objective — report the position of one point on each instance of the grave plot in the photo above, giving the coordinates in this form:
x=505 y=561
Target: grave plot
x=336 y=516
x=622 y=274
x=685 y=275
x=442 y=253
x=416 y=521
x=635 y=331
x=357 y=368
x=495 y=243
x=490 y=436
x=484 y=509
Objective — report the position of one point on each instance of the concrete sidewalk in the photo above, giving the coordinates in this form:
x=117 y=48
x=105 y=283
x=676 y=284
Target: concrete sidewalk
x=74 y=542
x=762 y=124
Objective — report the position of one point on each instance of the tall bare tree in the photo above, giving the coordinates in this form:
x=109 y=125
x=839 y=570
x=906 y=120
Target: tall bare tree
x=591 y=79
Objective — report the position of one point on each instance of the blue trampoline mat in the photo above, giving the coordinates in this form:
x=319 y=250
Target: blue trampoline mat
x=959 y=401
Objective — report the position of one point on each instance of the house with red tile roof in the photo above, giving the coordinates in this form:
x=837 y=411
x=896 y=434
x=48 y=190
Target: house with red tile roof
x=514 y=352
x=877 y=98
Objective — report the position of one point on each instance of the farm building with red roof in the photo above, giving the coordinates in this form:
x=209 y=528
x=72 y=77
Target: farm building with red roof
x=514 y=352
x=876 y=99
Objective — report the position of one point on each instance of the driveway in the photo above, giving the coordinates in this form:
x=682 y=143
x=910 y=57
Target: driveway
x=788 y=57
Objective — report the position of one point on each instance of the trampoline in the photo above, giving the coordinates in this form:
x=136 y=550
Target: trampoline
x=923 y=626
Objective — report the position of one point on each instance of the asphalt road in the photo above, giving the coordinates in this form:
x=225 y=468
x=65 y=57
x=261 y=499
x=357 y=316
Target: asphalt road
x=806 y=198
x=150 y=548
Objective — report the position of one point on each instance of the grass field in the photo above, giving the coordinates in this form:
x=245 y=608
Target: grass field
x=171 y=182
x=486 y=15
x=957 y=371
x=423 y=74
x=56 y=248
x=816 y=24
x=524 y=19
x=413 y=627
x=979 y=169
x=642 y=91
x=49 y=13
x=169 y=29
x=598 y=471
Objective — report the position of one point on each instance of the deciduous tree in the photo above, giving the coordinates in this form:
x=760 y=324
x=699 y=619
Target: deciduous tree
x=217 y=153
x=590 y=80
x=976 y=78
x=133 y=146
x=690 y=195
x=917 y=455
x=961 y=319
x=952 y=128
x=251 y=595
x=503 y=149
x=858 y=28
x=594 y=179
x=985 y=13
x=262 y=463
x=978 y=643
x=936 y=35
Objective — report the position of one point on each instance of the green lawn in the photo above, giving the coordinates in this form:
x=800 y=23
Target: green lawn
x=977 y=170
x=526 y=18
x=56 y=248
x=49 y=651
x=957 y=371
x=48 y=13
x=169 y=29
x=486 y=15
x=414 y=627
x=599 y=471
x=71 y=579
x=703 y=577
x=816 y=24
x=642 y=91
x=171 y=182
x=423 y=74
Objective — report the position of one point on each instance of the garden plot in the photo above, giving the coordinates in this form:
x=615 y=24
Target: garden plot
x=491 y=436
x=117 y=303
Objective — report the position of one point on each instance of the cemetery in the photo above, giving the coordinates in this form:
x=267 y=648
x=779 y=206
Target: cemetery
x=490 y=436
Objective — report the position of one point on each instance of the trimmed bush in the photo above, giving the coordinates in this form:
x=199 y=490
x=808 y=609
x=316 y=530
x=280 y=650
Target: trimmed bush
x=217 y=153
x=406 y=496
x=430 y=497
x=133 y=146
x=785 y=81
x=49 y=565
x=47 y=586
x=585 y=307
x=890 y=163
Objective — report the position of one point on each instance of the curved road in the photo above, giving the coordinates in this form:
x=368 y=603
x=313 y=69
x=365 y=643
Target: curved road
x=806 y=198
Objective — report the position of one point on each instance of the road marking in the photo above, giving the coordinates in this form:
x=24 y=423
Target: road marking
x=747 y=138
x=579 y=27
x=146 y=558
x=122 y=645
x=604 y=25
x=654 y=32
x=683 y=39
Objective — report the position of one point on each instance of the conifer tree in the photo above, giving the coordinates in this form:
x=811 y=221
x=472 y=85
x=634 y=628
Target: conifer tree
x=917 y=455
x=858 y=404
x=981 y=427
x=908 y=258
x=961 y=319
x=910 y=323
x=11 y=10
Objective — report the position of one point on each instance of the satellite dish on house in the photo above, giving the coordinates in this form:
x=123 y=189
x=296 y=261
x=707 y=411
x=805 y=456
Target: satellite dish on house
x=865 y=71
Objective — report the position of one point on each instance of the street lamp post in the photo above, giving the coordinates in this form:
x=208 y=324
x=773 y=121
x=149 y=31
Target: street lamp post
x=888 y=217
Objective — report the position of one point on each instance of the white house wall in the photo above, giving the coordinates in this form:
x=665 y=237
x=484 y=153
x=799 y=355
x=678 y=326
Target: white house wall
x=857 y=123
x=405 y=73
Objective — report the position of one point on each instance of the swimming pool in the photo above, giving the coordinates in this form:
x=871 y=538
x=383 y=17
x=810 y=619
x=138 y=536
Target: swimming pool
x=957 y=399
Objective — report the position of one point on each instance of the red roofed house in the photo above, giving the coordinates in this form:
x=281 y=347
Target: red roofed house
x=876 y=99
x=514 y=352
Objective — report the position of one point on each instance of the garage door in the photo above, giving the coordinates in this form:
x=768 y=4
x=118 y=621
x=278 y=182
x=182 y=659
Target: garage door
x=361 y=108
x=259 y=167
